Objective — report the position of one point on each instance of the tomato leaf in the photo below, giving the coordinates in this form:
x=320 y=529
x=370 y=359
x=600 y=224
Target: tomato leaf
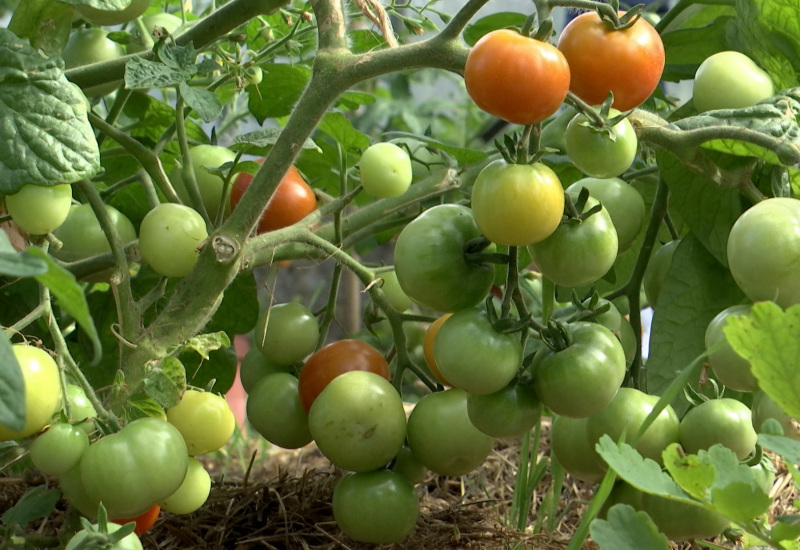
x=341 y=129
x=259 y=141
x=696 y=289
x=33 y=88
x=45 y=23
x=70 y=296
x=692 y=474
x=204 y=343
x=769 y=339
x=12 y=388
x=502 y=20
x=768 y=31
x=160 y=383
x=204 y=102
x=686 y=48
x=709 y=210
x=279 y=90
x=643 y=473
x=140 y=405
x=220 y=368
x=238 y=312
x=38 y=503
x=788 y=449
x=627 y=529
x=142 y=74
x=18 y=264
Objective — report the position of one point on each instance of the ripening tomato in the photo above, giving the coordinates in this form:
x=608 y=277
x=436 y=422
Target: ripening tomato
x=427 y=348
x=204 y=419
x=627 y=62
x=335 y=359
x=143 y=521
x=292 y=201
x=515 y=77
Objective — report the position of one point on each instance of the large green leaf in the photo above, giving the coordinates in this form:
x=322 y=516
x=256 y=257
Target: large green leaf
x=278 y=91
x=46 y=23
x=696 y=289
x=46 y=136
x=627 y=529
x=769 y=338
x=18 y=264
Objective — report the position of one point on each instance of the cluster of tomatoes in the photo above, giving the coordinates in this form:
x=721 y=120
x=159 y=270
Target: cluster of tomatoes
x=145 y=466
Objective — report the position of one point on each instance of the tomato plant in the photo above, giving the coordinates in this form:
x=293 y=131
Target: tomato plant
x=385 y=170
x=59 y=449
x=275 y=411
x=627 y=62
x=133 y=469
x=334 y=359
x=286 y=333
x=601 y=152
x=579 y=251
x=42 y=384
x=442 y=437
x=725 y=421
x=515 y=77
x=292 y=201
x=730 y=80
x=624 y=203
x=430 y=261
x=583 y=377
x=204 y=419
x=193 y=491
x=763 y=250
x=128 y=542
x=378 y=507
x=211 y=186
x=169 y=239
x=517 y=204
x=358 y=421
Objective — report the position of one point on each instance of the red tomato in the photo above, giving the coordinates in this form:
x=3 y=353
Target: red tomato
x=292 y=201
x=143 y=522
x=515 y=77
x=627 y=62
x=335 y=359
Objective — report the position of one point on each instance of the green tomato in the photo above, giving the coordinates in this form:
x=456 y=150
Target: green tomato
x=255 y=366
x=394 y=292
x=204 y=419
x=81 y=410
x=42 y=381
x=82 y=237
x=209 y=185
x=275 y=411
x=430 y=262
x=764 y=251
x=471 y=355
x=731 y=369
x=765 y=408
x=725 y=421
x=286 y=333
x=129 y=542
x=192 y=493
x=377 y=507
x=624 y=203
x=409 y=466
x=598 y=153
x=358 y=421
x=385 y=170
x=626 y=413
x=627 y=337
x=582 y=378
x=517 y=204
x=88 y=46
x=681 y=521
x=37 y=209
x=169 y=239
x=579 y=252
x=572 y=447
x=133 y=469
x=730 y=80
x=114 y=17
x=511 y=411
x=59 y=449
x=442 y=437
x=166 y=21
